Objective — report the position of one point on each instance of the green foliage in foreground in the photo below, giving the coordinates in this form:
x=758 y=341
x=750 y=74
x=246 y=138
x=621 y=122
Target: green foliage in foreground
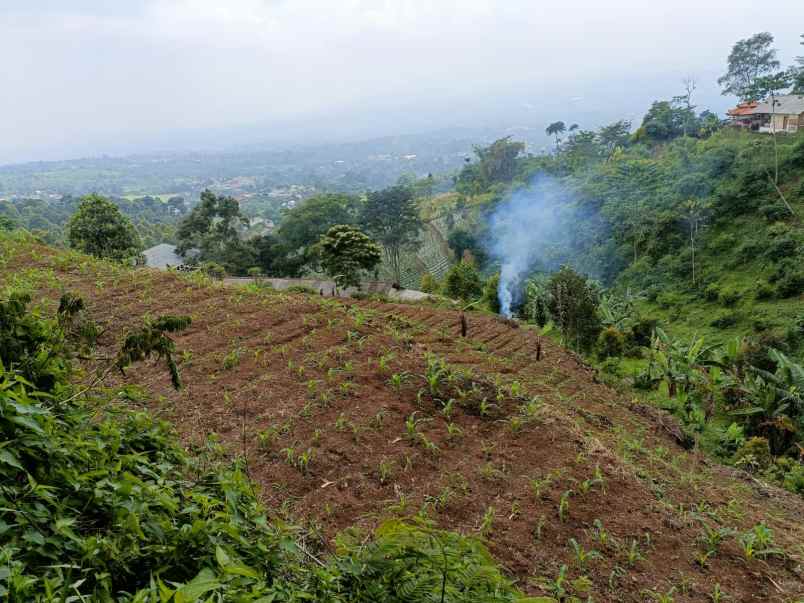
x=98 y=504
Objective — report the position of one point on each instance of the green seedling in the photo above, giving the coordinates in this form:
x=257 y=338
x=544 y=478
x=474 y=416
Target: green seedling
x=582 y=556
x=564 y=505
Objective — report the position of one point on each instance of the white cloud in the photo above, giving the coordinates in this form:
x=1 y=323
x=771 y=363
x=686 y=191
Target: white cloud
x=98 y=72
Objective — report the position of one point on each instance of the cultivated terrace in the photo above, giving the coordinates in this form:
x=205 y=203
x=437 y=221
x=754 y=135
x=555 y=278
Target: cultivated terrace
x=351 y=412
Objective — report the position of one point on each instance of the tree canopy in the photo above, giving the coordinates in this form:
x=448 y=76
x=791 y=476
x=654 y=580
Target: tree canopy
x=303 y=225
x=391 y=217
x=98 y=228
x=345 y=251
x=749 y=60
x=211 y=228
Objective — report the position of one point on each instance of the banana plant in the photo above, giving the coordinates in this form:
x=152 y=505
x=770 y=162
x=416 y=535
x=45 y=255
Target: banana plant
x=775 y=402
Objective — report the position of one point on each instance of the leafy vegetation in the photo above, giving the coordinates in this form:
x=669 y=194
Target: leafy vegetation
x=345 y=252
x=98 y=228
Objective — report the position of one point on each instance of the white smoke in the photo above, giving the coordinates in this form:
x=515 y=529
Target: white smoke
x=529 y=231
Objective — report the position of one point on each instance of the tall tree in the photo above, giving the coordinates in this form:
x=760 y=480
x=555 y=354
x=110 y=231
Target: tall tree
x=749 y=60
x=573 y=304
x=303 y=225
x=498 y=160
x=496 y=163
x=615 y=135
x=392 y=218
x=695 y=214
x=798 y=73
x=345 y=252
x=98 y=228
x=555 y=129
x=212 y=228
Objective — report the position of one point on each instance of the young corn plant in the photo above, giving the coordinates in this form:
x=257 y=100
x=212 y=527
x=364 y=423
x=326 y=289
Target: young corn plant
x=564 y=506
x=397 y=380
x=757 y=542
x=454 y=432
x=632 y=554
x=555 y=587
x=538 y=486
x=487 y=522
x=582 y=556
x=412 y=426
x=659 y=597
x=600 y=533
x=717 y=595
x=385 y=471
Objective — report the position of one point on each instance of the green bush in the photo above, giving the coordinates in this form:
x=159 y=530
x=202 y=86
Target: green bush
x=491 y=297
x=754 y=454
x=774 y=212
x=791 y=284
x=610 y=343
x=642 y=331
x=764 y=291
x=463 y=282
x=724 y=321
x=213 y=269
x=781 y=248
x=728 y=297
x=429 y=284
x=712 y=293
x=669 y=299
x=794 y=478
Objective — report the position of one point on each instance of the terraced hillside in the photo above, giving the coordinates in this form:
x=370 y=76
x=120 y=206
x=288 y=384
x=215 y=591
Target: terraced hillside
x=350 y=411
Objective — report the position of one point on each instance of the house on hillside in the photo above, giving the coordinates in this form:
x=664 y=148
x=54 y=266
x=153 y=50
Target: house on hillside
x=783 y=113
x=741 y=115
x=164 y=256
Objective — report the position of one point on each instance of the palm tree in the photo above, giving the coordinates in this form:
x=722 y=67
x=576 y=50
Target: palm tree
x=556 y=128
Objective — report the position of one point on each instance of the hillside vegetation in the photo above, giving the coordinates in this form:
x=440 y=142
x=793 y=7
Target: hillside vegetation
x=342 y=415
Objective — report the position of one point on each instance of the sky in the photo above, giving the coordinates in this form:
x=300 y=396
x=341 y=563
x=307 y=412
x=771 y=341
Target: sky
x=93 y=77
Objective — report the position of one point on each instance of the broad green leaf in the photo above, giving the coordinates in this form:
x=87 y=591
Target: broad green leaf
x=204 y=582
x=8 y=457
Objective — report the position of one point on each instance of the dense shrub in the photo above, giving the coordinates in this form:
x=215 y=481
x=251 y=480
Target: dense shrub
x=724 y=321
x=491 y=297
x=791 y=284
x=782 y=247
x=642 y=331
x=794 y=478
x=754 y=454
x=763 y=291
x=429 y=284
x=711 y=293
x=728 y=296
x=573 y=303
x=669 y=299
x=774 y=212
x=463 y=282
x=610 y=343
x=213 y=269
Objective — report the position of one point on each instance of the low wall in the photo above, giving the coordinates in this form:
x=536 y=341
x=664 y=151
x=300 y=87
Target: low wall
x=328 y=287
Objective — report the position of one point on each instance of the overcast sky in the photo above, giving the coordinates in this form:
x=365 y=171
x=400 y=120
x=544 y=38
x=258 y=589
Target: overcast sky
x=86 y=77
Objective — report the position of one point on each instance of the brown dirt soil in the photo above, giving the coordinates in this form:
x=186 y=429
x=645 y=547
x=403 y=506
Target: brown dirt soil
x=278 y=375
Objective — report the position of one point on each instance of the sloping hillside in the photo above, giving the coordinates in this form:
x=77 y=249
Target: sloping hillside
x=349 y=411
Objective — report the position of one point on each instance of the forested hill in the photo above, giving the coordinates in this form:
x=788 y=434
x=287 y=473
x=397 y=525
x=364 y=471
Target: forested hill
x=704 y=232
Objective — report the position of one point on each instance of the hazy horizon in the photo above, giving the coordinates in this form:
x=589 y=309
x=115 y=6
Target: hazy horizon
x=91 y=79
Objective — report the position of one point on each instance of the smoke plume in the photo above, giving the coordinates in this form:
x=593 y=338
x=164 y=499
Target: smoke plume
x=529 y=231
